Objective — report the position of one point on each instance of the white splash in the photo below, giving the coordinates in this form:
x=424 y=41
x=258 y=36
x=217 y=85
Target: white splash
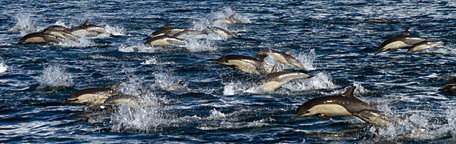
x=166 y=81
x=102 y=57
x=83 y=42
x=215 y=19
x=445 y=49
x=451 y=117
x=360 y=90
x=150 y=61
x=219 y=120
x=3 y=66
x=116 y=30
x=60 y=23
x=233 y=88
x=133 y=86
x=202 y=25
x=419 y=126
x=196 y=45
x=24 y=23
x=138 y=48
x=225 y=13
x=55 y=76
x=270 y=62
x=320 y=81
x=307 y=59
x=150 y=116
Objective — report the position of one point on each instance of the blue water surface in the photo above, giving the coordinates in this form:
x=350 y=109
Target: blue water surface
x=208 y=103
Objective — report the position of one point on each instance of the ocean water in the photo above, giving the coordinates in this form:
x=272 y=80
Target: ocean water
x=208 y=103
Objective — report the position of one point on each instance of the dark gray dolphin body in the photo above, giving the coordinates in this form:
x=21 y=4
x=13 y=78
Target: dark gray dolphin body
x=222 y=32
x=189 y=33
x=284 y=58
x=93 y=96
x=60 y=32
x=424 y=45
x=121 y=99
x=344 y=105
x=39 y=38
x=89 y=30
x=166 y=30
x=164 y=40
x=244 y=64
x=227 y=20
x=57 y=28
x=375 y=117
x=404 y=40
x=275 y=80
x=90 y=96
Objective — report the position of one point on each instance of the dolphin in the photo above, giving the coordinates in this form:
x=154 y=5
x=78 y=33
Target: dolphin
x=166 y=30
x=284 y=58
x=39 y=38
x=61 y=32
x=90 y=30
x=375 y=117
x=344 y=105
x=57 y=28
x=222 y=32
x=189 y=33
x=244 y=64
x=93 y=96
x=164 y=40
x=227 y=20
x=118 y=100
x=424 y=45
x=275 y=80
x=404 y=40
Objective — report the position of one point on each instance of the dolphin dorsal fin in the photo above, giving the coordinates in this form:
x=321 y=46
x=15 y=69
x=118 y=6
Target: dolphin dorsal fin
x=116 y=86
x=406 y=31
x=289 y=52
x=262 y=57
x=349 y=92
x=86 y=22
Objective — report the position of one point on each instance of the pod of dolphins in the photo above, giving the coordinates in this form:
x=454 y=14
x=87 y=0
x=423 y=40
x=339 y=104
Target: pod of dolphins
x=173 y=36
x=405 y=40
x=57 y=33
x=327 y=107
